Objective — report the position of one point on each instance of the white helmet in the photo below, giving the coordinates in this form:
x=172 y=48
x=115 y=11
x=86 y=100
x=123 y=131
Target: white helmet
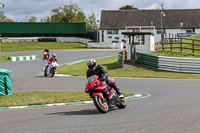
x=91 y=64
x=54 y=55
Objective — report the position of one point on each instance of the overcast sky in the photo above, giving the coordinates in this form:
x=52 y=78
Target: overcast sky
x=18 y=9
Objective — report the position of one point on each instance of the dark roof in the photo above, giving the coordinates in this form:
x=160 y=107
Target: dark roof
x=119 y=19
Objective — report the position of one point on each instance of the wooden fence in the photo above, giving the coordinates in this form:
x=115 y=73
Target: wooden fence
x=180 y=43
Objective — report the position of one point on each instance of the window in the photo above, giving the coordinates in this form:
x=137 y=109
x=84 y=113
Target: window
x=109 y=31
x=112 y=31
x=188 y=30
x=115 y=32
x=139 y=40
x=160 y=31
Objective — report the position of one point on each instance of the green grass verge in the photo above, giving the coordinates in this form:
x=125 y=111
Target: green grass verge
x=31 y=46
x=44 y=97
x=176 y=51
x=110 y=64
x=4 y=59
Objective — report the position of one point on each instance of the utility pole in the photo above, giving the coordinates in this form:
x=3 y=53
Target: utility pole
x=162 y=5
x=1 y=7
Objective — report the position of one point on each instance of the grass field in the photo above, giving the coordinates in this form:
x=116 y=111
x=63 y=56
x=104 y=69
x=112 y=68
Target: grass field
x=4 y=59
x=176 y=51
x=110 y=64
x=31 y=46
x=43 y=97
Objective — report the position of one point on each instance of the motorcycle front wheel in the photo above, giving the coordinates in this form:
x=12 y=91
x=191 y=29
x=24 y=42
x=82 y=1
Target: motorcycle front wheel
x=45 y=72
x=122 y=103
x=52 y=72
x=101 y=104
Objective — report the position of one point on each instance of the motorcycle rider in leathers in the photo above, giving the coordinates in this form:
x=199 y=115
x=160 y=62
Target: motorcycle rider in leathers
x=53 y=58
x=99 y=70
x=46 y=50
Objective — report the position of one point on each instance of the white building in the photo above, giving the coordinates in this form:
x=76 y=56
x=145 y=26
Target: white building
x=170 y=21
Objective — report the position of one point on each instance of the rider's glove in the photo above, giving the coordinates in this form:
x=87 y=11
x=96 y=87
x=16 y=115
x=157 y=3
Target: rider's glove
x=103 y=78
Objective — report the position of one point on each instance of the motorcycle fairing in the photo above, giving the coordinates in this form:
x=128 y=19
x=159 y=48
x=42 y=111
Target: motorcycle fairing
x=99 y=94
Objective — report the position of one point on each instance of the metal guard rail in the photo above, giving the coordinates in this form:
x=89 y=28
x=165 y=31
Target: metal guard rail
x=174 y=64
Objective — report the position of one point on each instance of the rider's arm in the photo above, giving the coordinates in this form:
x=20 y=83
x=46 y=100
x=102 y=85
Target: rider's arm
x=49 y=60
x=88 y=74
x=103 y=72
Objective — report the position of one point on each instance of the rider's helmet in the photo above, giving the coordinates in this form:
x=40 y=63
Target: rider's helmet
x=45 y=53
x=54 y=56
x=46 y=49
x=91 y=64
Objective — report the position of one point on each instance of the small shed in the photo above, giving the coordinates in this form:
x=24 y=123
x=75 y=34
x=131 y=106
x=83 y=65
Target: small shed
x=144 y=45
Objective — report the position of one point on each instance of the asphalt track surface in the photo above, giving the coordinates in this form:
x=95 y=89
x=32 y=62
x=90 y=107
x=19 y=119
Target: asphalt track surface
x=172 y=106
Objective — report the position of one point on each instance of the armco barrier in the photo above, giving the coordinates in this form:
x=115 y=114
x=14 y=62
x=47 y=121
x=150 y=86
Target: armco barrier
x=147 y=60
x=120 y=62
x=23 y=58
x=174 y=64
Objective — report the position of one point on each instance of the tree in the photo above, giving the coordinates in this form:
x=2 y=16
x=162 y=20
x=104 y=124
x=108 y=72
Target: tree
x=8 y=20
x=128 y=7
x=67 y=14
x=80 y=17
x=91 y=22
x=32 y=19
x=46 y=19
x=3 y=18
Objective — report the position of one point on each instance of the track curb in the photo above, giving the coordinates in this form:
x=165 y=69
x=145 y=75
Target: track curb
x=61 y=104
x=23 y=58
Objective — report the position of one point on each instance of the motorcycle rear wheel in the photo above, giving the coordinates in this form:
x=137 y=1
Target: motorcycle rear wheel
x=101 y=104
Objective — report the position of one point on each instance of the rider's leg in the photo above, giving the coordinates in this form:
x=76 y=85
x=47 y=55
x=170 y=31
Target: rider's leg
x=114 y=85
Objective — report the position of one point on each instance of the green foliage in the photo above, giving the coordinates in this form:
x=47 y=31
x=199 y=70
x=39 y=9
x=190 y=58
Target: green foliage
x=3 y=18
x=71 y=14
x=32 y=19
x=128 y=7
x=68 y=14
x=91 y=22
x=4 y=59
x=197 y=36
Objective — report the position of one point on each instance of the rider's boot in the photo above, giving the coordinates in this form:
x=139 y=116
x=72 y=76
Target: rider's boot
x=117 y=89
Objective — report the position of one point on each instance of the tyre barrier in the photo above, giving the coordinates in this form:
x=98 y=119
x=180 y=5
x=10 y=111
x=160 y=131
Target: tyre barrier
x=5 y=82
x=47 y=40
x=23 y=58
x=120 y=63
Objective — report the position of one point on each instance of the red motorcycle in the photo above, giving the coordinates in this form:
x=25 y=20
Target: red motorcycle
x=45 y=55
x=103 y=96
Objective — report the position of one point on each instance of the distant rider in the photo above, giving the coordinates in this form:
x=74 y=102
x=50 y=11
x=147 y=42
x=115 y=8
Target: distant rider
x=46 y=50
x=99 y=70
